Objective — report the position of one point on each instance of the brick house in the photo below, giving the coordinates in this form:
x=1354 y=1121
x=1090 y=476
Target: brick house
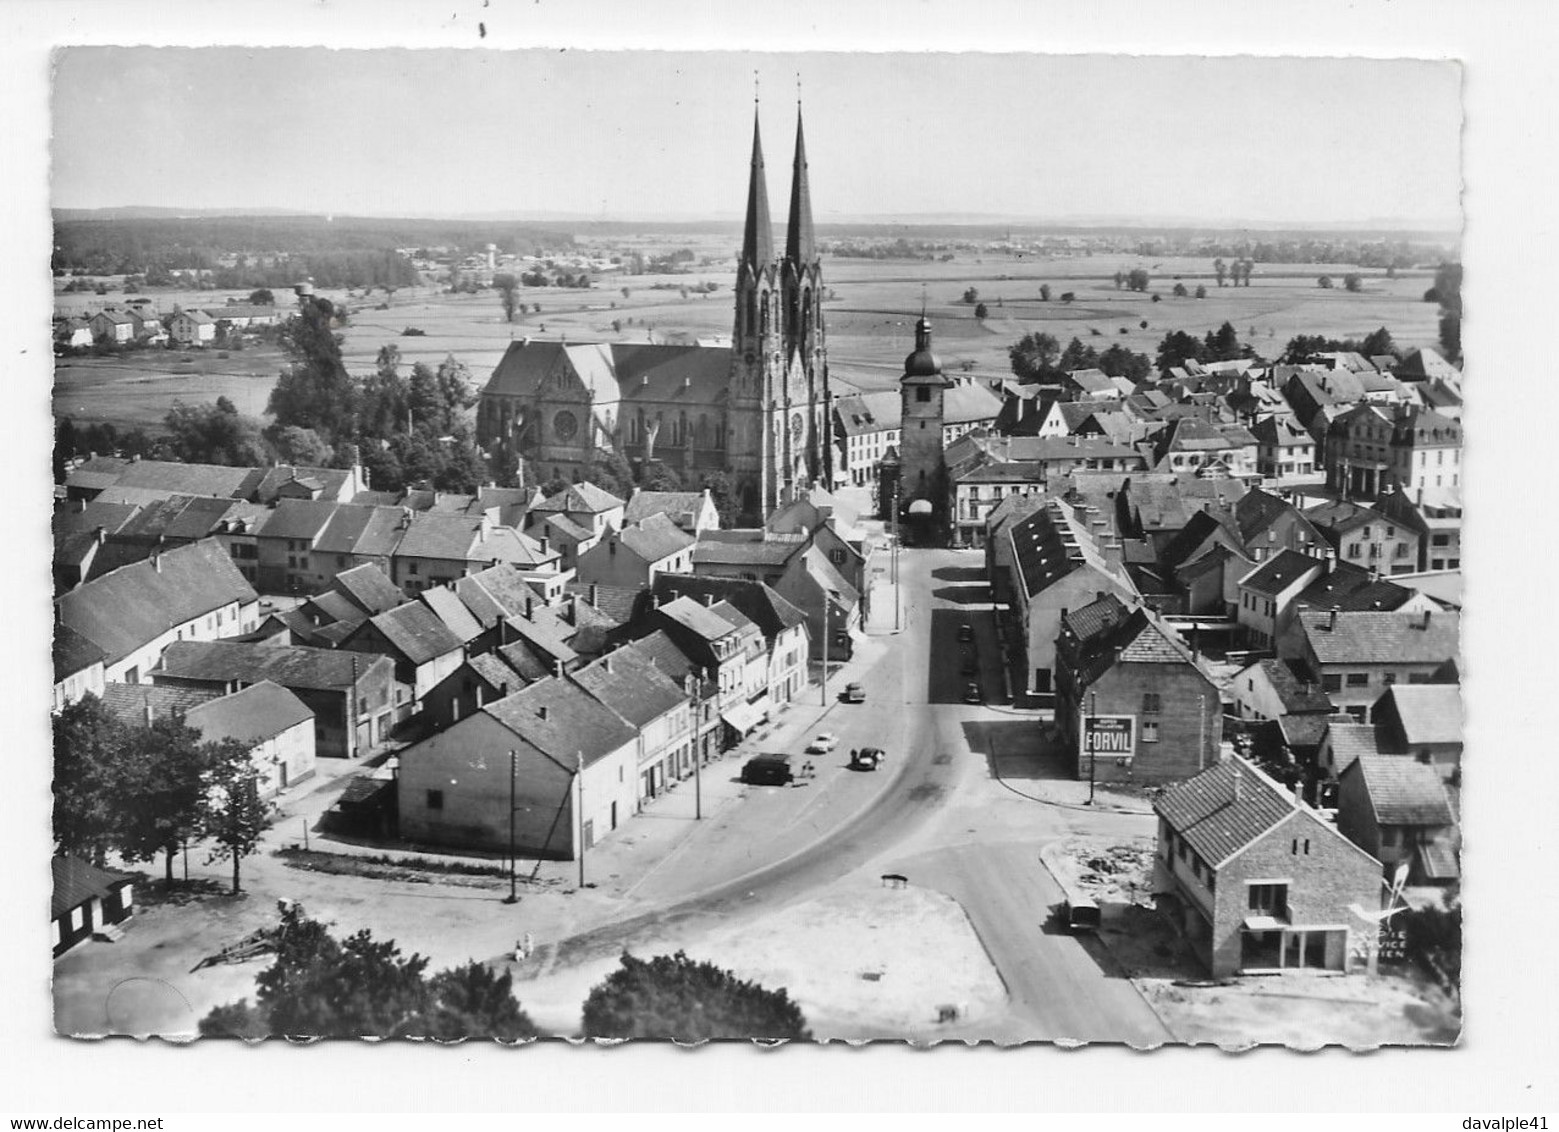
x=1256 y=879
x=1116 y=661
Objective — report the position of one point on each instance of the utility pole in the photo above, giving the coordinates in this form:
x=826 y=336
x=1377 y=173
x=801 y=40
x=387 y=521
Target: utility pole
x=579 y=777
x=513 y=897
x=823 y=689
x=896 y=601
x=697 y=680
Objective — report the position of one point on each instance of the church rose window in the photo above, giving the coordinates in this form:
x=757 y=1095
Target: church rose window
x=565 y=425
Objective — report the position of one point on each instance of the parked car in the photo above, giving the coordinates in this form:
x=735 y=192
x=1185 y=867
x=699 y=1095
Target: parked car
x=966 y=632
x=867 y=758
x=824 y=743
x=853 y=694
x=972 y=693
x=768 y=770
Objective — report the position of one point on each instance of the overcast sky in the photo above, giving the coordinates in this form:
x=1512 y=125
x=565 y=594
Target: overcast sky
x=634 y=134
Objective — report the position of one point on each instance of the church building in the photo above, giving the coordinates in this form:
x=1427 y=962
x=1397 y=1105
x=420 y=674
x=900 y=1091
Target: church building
x=758 y=409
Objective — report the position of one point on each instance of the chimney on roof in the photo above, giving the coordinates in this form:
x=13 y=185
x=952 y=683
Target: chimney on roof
x=102 y=535
x=594 y=590
x=709 y=601
x=1425 y=625
x=606 y=663
x=156 y=562
x=545 y=543
x=558 y=664
x=1331 y=621
x=541 y=711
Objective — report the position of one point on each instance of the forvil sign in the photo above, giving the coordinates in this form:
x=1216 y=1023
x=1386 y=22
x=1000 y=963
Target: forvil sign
x=1113 y=735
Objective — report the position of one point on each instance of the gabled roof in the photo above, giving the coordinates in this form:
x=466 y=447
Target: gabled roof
x=1050 y=544
x=1224 y=809
x=1106 y=632
x=759 y=602
x=1257 y=510
x=498 y=673
x=1424 y=713
x=1200 y=527
x=654 y=538
x=1280 y=572
x=415 y=632
x=501 y=585
x=73 y=653
x=76 y=882
x=681 y=507
x=437 y=534
x=697 y=618
x=252 y=715
x=292 y=666
x=449 y=609
x=562 y=721
x=369 y=588
x=1404 y=791
x=580 y=498
x=131 y=703
x=544 y=638
x=331 y=606
x=299 y=519
x=1381 y=638
x=126 y=608
x=619 y=603
x=1297 y=696
x=629 y=683
x=717 y=548
x=1341 y=516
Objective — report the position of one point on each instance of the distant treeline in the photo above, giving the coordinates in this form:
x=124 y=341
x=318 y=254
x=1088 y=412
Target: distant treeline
x=343 y=248
x=1364 y=253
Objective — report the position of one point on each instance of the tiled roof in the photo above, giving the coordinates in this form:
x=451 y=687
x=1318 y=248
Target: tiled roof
x=76 y=882
x=124 y=609
x=1106 y=632
x=503 y=586
x=1257 y=510
x=291 y=666
x=1404 y=791
x=1201 y=526
x=435 y=534
x=1297 y=696
x=544 y=638
x=448 y=607
x=654 y=538
x=1280 y=572
x=497 y=672
x=629 y=683
x=505 y=544
x=762 y=605
x=697 y=617
x=563 y=721
x=129 y=703
x=1382 y=638
x=563 y=525
x=1349 y=740
x=73 y=653
x=620 y=603
x=252 y=715
x=1341 y=516
x=714 y=550
x=580 y=498
x=1427 y=713
x=369 y=588
x=1224 y=809
x=332 y=605
x=682 y=507
x=299 y=519
x=416 y=632
x=169 y=477
x=522 y=657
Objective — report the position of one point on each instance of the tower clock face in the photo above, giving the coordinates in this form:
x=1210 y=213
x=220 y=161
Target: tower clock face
x=565 y=425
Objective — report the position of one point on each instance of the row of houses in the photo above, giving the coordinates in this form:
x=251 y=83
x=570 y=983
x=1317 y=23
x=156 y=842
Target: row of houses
x=141 y=322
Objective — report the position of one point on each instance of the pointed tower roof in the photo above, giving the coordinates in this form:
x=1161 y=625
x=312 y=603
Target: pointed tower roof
x=800 y=245
x=758 y=236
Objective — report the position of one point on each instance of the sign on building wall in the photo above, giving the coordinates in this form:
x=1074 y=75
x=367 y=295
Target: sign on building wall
x=1110 y=736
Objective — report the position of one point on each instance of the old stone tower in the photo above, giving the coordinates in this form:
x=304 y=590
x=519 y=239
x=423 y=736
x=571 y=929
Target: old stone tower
x=921 y=391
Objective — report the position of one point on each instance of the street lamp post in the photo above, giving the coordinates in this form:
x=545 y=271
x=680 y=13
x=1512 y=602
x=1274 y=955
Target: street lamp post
x=514 y=896
x=696 y=686
x=579 y=777
x=896 y=558
x=823 y=688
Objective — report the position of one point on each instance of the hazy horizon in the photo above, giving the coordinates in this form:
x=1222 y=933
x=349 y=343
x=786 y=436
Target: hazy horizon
x=624 y=136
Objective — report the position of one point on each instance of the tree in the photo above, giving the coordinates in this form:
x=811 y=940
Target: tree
x=1177 y=347
x=1034 y=357
x=1324 y=282
x=972 y=295
x=319 y=986
x=656 y=476
x=1451 y=336
x=1353 y=281
x=1044 y=292
x=1118 y=361
x=235 y=816
x=1377 y=344
x=161 y=790
x=88 y=751
x=1120 y=279
x=65 y=447
x=294 y=445
x=672 y=996
x=722 y=492
x=315 y=391
x=612 y=472
x=1077 y=355
x=981 y=311
x=1201 y=292
x=1220 y=269
x=262 y=298
x=1138 y=279
x=1222 y=345
x=508 y=294
x=213 y=433
x=1180 y=291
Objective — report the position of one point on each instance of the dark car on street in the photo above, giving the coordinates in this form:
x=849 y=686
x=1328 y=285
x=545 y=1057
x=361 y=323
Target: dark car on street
x=853 y=694
x=768 y=770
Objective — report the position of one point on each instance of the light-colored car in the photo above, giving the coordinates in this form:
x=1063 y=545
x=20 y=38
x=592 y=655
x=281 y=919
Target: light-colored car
x=823 y=744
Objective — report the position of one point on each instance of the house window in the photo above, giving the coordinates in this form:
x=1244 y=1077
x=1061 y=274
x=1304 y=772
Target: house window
x=922 y=393
x=1331 y=682
x=1390 y=837
x=435 y=799
x=1269 y=900
x=1150 y=731
x=1353 y=550
x=411 y=568
x=1358 y=679
x=1152 y=702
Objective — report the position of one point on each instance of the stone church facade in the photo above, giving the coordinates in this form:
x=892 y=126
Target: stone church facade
x=758 y=409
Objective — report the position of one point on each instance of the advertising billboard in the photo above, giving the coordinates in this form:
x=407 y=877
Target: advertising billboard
x=1110 y=736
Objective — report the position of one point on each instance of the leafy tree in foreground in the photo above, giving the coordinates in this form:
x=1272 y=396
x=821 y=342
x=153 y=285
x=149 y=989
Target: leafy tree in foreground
x=319 y=986
x=315 y=391
x=672 y=996
x=234 y=816
x=214 y=433
x=1034 y=357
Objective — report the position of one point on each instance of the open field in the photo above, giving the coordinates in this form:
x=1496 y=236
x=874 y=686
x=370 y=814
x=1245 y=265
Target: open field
x=870 y=322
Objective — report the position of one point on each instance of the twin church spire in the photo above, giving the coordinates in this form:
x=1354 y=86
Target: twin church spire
x=758 y=233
